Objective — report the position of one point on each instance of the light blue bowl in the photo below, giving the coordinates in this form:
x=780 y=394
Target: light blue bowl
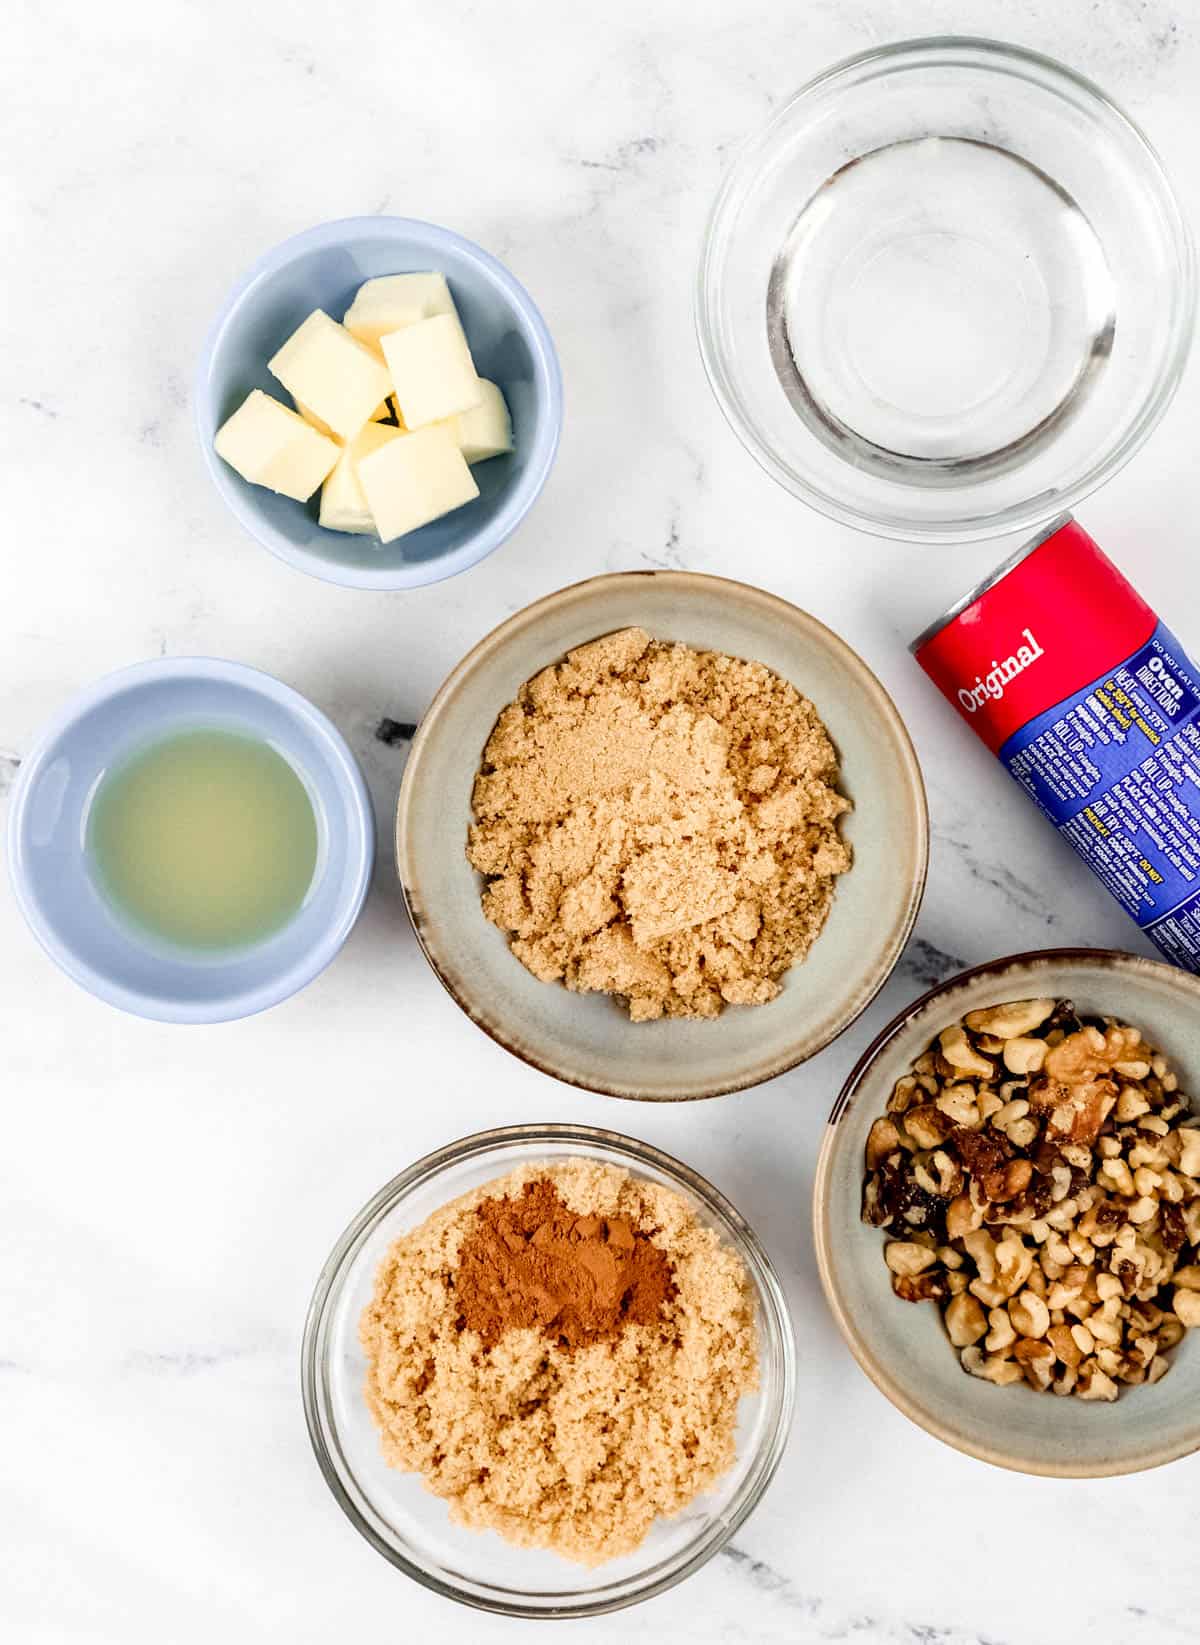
x=70 y=917
x=323 y=268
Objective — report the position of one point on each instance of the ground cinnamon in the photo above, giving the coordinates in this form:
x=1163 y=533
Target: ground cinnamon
x=578 y=1450
x=530 y=1262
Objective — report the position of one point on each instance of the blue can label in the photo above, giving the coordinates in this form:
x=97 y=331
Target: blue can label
x=1116 y=768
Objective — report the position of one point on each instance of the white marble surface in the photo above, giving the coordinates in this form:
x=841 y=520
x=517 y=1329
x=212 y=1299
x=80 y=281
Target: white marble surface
x=167 y=1196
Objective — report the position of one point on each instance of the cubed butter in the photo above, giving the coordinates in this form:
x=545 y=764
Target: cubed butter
x=332 y=373
x=486 y=430
x=394 y=301
x=432 y=370
x=343 y=505
x=270 y=445
x=321 y=427
x=413 y=479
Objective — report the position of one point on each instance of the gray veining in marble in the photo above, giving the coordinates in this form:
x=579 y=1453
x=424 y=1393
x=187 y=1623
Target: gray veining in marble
x=167 y=1197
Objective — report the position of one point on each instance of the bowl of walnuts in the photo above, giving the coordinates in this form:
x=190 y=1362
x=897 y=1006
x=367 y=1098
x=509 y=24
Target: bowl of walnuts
x=1007 y=1212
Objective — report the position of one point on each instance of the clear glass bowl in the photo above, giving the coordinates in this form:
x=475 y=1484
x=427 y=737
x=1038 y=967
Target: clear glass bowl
x=410 y=1526
x=946 y=292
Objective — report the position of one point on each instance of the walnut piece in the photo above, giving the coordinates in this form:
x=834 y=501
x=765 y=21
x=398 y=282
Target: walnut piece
x=1039 y=1179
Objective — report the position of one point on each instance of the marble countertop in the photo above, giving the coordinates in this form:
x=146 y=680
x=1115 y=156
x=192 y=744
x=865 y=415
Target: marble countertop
x=166 y=1195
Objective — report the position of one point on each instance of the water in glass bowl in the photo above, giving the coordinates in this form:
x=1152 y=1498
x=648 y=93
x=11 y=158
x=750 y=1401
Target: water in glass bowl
x=940 y=306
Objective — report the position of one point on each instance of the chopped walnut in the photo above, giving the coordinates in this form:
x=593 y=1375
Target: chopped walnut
x=1011 y=1021
x=1038 y=1177
x=965 y=1320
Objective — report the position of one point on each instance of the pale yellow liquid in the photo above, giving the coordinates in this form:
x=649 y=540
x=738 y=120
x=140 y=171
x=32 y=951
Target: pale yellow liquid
x=206 y=839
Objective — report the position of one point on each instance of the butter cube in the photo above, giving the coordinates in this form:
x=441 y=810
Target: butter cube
x=394 y=301
x=413 y=479
x=343 y=505
x=322 y=427
x=432 y=370
x=269 y=445
x=332 y=373
x=486 y=430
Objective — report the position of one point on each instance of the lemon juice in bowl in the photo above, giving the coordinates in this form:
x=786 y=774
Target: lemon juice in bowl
x=205 y=839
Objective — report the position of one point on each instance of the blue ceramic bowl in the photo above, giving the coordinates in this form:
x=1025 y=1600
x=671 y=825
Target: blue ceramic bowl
x=53 y=881
x=323 y=268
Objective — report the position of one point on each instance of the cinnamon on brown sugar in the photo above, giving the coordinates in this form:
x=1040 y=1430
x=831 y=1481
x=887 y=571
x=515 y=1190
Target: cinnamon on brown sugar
x=560 y=1354
x=531 y=1263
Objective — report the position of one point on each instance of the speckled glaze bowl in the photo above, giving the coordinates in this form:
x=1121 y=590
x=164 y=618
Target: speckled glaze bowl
x=903 y=1347
x=587 y=1039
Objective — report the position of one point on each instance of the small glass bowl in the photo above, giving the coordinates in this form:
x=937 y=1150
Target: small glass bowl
x=947 y=291
x=408 y=1524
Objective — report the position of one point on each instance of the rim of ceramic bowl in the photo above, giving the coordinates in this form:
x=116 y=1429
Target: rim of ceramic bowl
x=1030 y=514
x=250 y=1001
x=876 y=1369
x=775 y=1322
x=480 y=543
x=528 y=617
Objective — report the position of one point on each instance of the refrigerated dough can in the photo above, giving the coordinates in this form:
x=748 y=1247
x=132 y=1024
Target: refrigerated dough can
x=1094 y=706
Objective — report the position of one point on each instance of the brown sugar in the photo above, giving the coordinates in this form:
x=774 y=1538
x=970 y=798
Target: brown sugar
x=532 y=1263
x=570 y=1431
x=661 y=824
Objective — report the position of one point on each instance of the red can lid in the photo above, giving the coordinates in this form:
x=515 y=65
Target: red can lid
x=1057 y=619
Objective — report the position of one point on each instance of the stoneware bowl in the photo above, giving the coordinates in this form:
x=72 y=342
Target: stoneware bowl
x=323 y=268
x=587 y=1039
x=902 y=1346
x=60 y=899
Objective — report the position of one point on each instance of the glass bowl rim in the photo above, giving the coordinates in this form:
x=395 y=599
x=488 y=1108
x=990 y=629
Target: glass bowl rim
x=1030 y=512
x=772 y=1301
